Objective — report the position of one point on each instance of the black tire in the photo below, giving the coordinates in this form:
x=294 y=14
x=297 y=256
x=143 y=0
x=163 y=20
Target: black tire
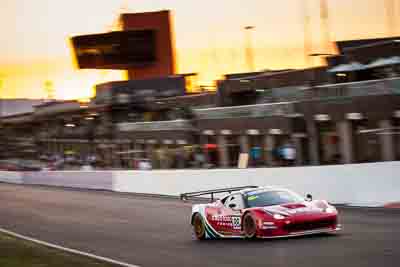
x=198 y=227
x=249 y=227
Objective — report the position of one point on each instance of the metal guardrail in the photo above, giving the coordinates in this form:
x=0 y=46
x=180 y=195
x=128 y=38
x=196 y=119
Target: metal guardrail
x=281 y=99
x=57 y=108
x=186 y=196
x=184 y=125
x=354 y=89
x=375 y=87
x=258 y=110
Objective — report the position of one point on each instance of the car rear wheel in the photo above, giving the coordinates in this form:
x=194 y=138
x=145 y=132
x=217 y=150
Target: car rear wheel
x=198 y=227
x=249 y=227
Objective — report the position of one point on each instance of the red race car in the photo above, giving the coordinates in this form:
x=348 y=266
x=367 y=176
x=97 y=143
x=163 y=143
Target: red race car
x=261 y=212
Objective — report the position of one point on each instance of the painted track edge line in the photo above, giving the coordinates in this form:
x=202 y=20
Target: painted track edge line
x=65 y=249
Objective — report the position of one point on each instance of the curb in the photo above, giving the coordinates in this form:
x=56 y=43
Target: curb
x=65 y=249
x=393 y=205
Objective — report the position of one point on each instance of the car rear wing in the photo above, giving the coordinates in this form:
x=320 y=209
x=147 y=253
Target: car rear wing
x=186 y=196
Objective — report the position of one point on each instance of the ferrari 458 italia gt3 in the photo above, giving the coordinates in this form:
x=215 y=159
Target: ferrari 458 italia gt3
x=261 y=212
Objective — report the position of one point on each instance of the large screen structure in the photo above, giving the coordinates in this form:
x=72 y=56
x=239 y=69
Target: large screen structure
x=116 y=50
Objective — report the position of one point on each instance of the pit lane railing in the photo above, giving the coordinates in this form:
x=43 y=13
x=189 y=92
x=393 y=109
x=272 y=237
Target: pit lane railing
x=186 y=196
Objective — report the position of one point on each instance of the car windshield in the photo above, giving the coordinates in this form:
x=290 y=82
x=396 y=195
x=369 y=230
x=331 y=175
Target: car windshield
x=270 y=198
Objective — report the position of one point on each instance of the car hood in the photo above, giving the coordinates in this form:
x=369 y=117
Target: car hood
x=290 y=209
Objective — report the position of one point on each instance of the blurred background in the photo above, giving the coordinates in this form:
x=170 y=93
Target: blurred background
x=157 y=84
x=210 y=37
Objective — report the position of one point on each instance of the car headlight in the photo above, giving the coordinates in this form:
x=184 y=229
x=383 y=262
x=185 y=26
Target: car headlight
x=278 y=216
x=330 y=210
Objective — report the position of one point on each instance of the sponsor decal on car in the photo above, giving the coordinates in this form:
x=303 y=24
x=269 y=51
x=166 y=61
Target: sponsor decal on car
x=232 y=221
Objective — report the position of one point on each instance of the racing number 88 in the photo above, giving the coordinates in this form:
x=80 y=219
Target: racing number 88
x=236 y=222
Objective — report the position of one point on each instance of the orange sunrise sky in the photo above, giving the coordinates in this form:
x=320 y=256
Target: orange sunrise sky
x=209 y=37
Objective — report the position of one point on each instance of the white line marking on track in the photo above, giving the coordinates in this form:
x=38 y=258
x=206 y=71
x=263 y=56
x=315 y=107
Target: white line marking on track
x=69 y=250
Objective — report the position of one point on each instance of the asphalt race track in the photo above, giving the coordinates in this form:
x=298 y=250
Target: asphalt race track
x=148 y=231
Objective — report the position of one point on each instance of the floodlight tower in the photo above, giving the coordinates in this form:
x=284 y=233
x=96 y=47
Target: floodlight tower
x=390 y=11
x=249 y=48
x=326 y=38
x=307 y=33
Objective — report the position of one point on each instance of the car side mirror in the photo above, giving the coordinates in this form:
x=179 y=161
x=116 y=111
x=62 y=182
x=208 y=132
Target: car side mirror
x=232 y=205
x=308 y=197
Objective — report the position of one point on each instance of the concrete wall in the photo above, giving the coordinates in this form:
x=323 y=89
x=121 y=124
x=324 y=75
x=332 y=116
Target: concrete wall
x=11 y=177
x=359 y=184
x=372 y=184
x=77 y=179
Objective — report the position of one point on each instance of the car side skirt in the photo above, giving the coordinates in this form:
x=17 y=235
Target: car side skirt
x=311 y=232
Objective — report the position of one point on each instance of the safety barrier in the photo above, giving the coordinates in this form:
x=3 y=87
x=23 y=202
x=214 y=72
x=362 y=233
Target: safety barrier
x=372 y=184
x=11 y=177
x=76 y=179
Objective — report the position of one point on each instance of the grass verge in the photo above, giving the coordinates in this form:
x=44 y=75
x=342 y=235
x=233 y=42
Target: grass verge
x=20 y=253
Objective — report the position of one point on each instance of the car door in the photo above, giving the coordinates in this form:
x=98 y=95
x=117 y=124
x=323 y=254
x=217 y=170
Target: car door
x=228 y=220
